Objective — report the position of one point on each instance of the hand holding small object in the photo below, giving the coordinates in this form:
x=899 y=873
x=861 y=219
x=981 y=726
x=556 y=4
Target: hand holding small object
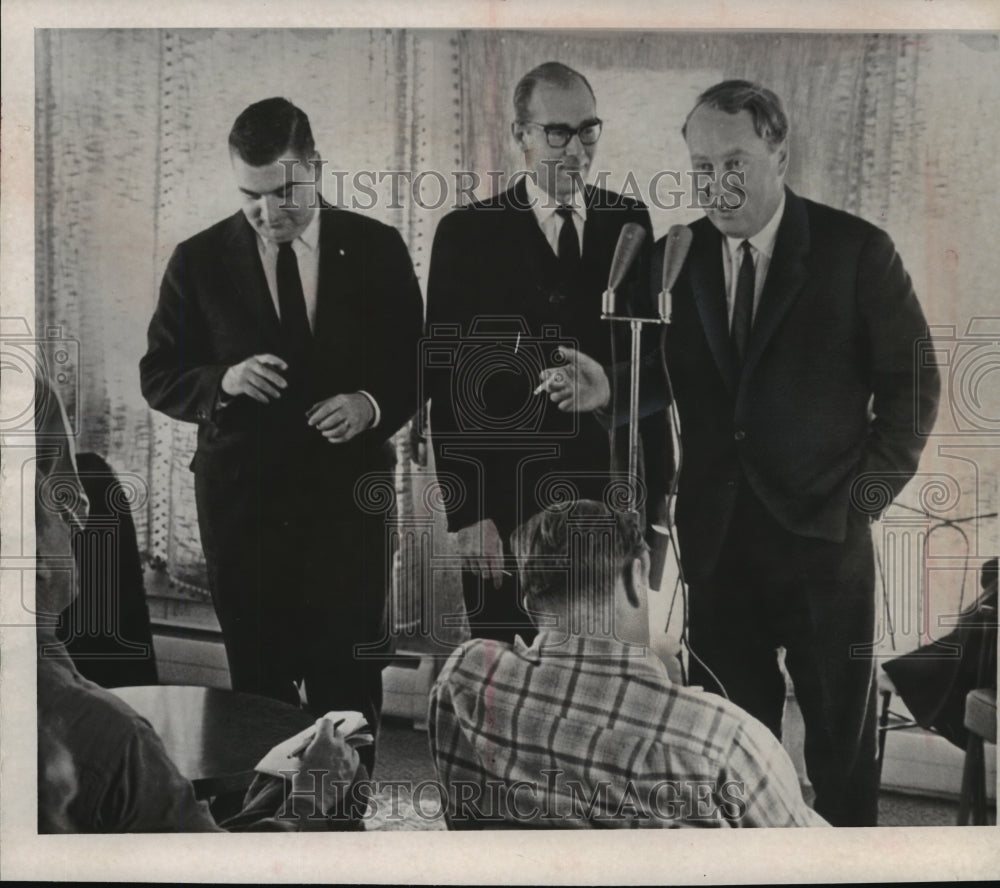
x=580 y=385
x=327 y=757
x=305 y=743
x=258 y=377
x=481 y=549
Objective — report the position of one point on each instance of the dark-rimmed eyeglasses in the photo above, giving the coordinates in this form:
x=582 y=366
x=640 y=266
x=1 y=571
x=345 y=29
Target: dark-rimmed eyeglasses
x=558 y=135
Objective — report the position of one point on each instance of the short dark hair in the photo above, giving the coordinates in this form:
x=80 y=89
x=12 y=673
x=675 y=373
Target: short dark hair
x=733 y=96
x=268 y=129
x=577 y=550
x=552 y=73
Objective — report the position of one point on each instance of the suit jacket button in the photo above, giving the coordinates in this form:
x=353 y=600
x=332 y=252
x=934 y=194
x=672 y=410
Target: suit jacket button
x=740 y=435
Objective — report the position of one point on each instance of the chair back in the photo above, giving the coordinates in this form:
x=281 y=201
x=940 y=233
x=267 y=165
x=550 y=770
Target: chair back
x=106 y=629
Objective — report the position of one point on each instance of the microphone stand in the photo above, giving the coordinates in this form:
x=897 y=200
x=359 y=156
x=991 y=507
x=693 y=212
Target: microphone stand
x=635 y=356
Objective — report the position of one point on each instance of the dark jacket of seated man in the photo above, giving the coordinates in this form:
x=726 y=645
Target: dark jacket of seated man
x=101 y=766
x=103 y=769
x=584 y=728
x=933 y=680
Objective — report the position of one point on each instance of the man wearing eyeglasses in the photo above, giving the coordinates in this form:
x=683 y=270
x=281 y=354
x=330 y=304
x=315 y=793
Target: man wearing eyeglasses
x=514 y=295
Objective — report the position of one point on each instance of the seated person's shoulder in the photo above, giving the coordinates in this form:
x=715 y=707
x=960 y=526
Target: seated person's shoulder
x=65 y=697
x=706 y=717
x=472 y=659
x=94 y=723
x=122 y=779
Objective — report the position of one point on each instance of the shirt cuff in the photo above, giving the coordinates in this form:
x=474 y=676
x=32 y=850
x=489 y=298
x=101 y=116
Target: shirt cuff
x=374 y=403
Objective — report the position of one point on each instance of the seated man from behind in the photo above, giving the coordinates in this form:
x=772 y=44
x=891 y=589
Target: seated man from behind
x=584 y=728
x=101 y=766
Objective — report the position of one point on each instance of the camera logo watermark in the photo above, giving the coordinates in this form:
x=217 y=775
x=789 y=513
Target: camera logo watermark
x=970 y=373
x=52 y=356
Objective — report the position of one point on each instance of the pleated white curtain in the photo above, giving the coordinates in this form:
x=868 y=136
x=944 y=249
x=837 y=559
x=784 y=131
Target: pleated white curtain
x=131 y=158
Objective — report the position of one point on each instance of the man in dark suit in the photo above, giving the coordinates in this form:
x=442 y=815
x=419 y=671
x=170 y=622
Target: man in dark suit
x=286 y=332
x=514 y=298
x=803 y=413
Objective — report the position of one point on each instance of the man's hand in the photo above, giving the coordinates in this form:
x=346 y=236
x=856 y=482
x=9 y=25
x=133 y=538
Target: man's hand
x=258 y=377
x=341 y=417
x=330 y=760
x=580 y=385
x=663 y=518
x=480 y=547
x=329 y=751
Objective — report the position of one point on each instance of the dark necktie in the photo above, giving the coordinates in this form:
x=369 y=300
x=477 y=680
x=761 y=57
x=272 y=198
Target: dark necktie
x=743 y=304
x=292 y=305
x=569 y=245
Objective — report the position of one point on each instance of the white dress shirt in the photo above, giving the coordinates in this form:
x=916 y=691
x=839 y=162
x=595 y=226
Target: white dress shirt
x=306 y=247
x=761 y=250
x=544 y=206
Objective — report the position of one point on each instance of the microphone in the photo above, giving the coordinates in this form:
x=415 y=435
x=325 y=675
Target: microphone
x=675 y=251
x=629 y=243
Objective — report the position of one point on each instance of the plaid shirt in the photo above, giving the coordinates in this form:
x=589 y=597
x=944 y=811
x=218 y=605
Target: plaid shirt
x=584 y=732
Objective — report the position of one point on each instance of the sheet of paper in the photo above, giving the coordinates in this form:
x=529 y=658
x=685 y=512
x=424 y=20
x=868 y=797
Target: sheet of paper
x=281 y=758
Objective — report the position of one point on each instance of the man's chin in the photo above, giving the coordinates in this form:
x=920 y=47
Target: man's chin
x=278 y=234
x=570 y=185
x=727 y=222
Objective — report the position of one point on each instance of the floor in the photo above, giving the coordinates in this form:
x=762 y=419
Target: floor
x=411 y=801
x=897 y=809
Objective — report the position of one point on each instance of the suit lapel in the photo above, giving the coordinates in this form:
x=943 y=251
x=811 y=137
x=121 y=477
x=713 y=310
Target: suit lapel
x=600 y=234
x=333 y=254
x=241 y=258
x=524 y=218
x=708 y=285
x=527 y=242
x=786 y=276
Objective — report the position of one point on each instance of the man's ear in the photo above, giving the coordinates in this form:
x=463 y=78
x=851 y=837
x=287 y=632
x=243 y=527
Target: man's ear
x=519 y=132
x=536 y=615
x=314 y=165
x=782 y=150
x=636 y=577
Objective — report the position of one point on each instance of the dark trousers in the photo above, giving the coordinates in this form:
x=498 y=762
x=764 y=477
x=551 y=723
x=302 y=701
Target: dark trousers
x=298 y=579
x=495 y=613
x=770 y=589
